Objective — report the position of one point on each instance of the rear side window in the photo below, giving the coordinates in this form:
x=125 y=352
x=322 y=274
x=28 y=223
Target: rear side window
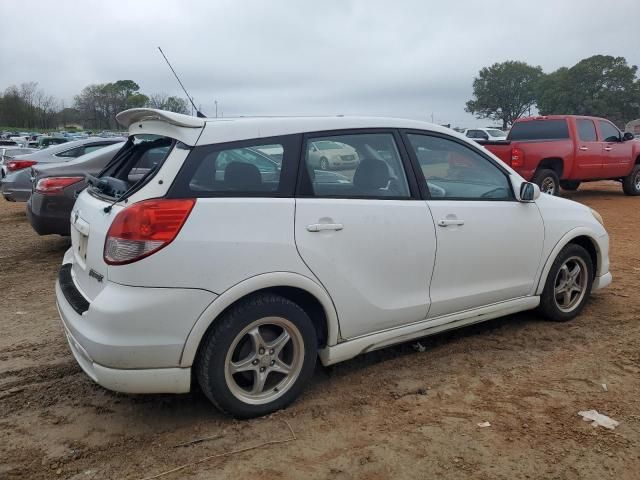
x=539 y=130
x=363 y=165
x=609 y=132
x=259 y=167
x=586 y=130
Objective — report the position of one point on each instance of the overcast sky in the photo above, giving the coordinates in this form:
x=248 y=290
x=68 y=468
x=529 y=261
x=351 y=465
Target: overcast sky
x=399 y=58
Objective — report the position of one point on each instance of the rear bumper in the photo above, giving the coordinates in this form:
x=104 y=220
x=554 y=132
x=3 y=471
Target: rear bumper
x=130 y=339
x=12 y=191
x=50 y=214
x=155 y=380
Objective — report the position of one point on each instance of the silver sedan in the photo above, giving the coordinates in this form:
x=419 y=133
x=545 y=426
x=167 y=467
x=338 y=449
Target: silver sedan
x=16 y=185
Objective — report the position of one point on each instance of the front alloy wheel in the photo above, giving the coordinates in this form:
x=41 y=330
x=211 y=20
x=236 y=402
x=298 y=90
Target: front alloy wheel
x=568 y=284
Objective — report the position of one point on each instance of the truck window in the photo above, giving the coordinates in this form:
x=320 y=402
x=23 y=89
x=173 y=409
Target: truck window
x=609 y=132
x=586 y=130
x=539 y=130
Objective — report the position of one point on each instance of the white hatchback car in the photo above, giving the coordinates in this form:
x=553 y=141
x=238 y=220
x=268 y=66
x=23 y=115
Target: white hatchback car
x=240 y=276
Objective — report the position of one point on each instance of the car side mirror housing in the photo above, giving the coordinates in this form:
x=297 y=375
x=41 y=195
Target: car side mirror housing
x=529 y=192
x=628 y=136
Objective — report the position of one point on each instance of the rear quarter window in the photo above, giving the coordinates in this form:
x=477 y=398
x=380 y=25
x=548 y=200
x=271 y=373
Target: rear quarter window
x=539 y=130
x=259 y=167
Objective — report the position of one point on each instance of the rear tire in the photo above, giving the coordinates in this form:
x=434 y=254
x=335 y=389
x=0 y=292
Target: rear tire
x=258 y=356
x=324 y=164
x=568 y=284
x=547 y=180
x=631 y=183
x=570 y=185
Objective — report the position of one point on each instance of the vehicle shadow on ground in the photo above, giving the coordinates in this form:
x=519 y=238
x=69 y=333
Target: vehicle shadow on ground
x=426 y=344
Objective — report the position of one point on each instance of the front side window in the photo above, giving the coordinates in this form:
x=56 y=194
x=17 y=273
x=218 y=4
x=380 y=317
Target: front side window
x=363 y=165
x=455 y=171
x=609 y=132
x=586 y=130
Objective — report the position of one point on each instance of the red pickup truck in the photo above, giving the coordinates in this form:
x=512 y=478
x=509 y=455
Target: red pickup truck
x=564 y=150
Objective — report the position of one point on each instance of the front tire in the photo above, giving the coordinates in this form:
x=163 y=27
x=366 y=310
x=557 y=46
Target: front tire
x=547 y=180
x=631 y=183
x=258 y=356
x=568 y=284
x=324 y=164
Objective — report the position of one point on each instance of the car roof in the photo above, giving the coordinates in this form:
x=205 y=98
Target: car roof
x=218 y=130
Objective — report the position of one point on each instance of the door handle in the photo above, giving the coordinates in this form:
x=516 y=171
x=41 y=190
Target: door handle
x=318 y=227
x=584 y=149
x=445 y=222
x=607 y=149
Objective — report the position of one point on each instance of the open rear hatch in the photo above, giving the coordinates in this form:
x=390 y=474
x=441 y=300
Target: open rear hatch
x=98 y=205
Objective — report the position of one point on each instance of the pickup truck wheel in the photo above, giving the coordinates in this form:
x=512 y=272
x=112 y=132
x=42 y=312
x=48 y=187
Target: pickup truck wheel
x=548 y=181
x=631 y=183
x=570 y=185
x=258 y=356
x=568 y=284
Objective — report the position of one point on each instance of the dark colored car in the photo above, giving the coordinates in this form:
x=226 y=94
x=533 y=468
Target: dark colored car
x=55 y=187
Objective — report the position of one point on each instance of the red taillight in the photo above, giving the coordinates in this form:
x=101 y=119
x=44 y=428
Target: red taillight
x=55 y=185
x=144 y=228
x=14 y=165
x=517 y=157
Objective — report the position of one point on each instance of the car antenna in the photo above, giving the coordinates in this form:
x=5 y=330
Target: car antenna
x=199 y=114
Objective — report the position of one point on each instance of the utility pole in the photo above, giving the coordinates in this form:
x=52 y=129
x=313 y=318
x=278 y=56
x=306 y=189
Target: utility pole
x=216 y=102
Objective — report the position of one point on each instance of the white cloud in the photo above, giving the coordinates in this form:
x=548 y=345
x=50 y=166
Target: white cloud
x=404 y=58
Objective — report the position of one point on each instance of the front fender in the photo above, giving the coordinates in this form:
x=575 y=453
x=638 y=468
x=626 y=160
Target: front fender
x=246 y=287
x=601 y=245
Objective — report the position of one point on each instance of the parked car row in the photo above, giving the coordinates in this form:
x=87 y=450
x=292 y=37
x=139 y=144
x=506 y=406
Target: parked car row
x=16 y=183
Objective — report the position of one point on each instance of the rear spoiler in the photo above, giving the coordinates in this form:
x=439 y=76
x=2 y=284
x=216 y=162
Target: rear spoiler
x=134 y=115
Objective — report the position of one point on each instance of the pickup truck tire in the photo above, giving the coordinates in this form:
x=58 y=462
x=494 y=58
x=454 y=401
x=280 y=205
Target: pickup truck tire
x=568 y=284
x=547 y=180
x=631 y=183
x=570 y=185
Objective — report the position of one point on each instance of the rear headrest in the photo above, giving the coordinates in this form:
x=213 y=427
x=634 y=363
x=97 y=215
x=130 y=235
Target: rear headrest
x=371 y=174
x=242 y=176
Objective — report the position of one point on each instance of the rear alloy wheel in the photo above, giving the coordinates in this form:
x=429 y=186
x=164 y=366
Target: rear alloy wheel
x=324 y=164
x=568 y=284
x=631 y=183
x=258 y=356
x=570 y=185
x=548 y=181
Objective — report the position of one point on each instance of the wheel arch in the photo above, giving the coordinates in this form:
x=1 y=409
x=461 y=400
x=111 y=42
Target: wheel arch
x=310 y=295
x=553 y=163
x=579 y=236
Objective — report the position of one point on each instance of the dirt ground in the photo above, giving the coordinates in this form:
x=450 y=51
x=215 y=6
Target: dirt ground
x=396 y=413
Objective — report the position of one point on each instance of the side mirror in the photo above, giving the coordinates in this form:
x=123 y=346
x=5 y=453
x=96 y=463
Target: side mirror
x=628 y=136
x=529 y=192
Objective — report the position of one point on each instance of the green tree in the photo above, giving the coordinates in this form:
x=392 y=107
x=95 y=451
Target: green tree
x=601 y=85
x=504 y=91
